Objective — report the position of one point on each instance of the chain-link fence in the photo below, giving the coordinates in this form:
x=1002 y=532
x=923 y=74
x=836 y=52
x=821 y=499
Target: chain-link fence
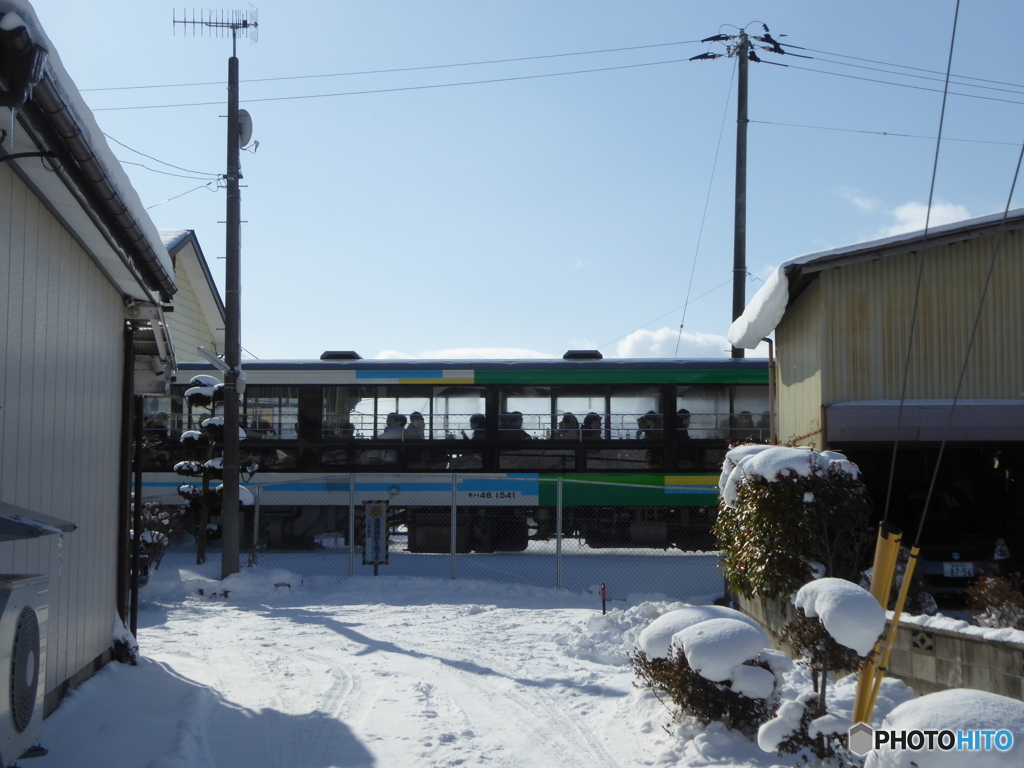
x=636 y=537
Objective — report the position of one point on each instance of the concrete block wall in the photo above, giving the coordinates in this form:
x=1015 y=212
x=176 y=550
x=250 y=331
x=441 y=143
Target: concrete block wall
x=928 y=660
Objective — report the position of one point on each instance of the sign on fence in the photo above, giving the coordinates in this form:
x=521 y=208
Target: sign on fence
x=375 y=550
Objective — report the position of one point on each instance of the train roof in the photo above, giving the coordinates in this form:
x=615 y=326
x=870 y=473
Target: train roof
x=532 y=371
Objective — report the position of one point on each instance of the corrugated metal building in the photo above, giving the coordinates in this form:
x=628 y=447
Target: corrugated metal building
x=83 y=280
x=898 y=352
x=845 y=344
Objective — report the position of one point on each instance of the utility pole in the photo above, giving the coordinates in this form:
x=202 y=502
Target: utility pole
x=742 y=48
x=739 y=245
x=237 y=23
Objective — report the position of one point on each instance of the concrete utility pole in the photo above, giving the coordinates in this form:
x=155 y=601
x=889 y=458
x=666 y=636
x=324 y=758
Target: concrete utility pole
x=742 y=47
x=232 y=330
x=237 y=23
x=739 y=247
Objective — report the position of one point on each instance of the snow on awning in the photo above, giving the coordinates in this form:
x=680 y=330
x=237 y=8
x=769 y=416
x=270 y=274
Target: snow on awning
x=17 y=523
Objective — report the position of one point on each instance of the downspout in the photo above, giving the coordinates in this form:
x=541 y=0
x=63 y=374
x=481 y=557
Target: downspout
x=773 y=432
x=124 y=486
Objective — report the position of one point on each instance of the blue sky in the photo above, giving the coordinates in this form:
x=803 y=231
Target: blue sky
x=532 y=216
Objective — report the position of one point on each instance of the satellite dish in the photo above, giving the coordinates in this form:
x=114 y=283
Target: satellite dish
x=244 y=128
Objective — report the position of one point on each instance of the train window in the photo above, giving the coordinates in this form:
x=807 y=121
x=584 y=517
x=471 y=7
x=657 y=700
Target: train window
x=538 y=458
x=702 y=412
x=452 y=411
x=270 y=459
x=270 y=413
x=423 y=413
x=635 y=413
x=749 y=419
x=526 y=412
x=636 y=459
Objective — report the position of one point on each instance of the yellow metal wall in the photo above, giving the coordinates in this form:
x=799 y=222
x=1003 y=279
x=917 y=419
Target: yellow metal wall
x=868 y=310
x=800 y=355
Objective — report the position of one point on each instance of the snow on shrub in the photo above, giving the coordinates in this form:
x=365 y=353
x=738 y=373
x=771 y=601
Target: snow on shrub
x=958 y=709
x=997 y=602
x=715 y=668
x=781 y=510
x=656 y=638
x=850 y=614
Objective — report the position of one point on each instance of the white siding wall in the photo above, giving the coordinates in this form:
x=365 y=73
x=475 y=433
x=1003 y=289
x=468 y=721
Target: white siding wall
x=60 y=390
x=189 y=326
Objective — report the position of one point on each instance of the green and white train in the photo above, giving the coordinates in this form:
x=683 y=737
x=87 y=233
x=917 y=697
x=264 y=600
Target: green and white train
x=648 y=435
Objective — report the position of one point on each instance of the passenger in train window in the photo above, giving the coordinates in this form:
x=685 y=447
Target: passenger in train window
x=511 y=427
x=592 y=427
x=415 y=430
x=568 y=428
x=477 y=423
x=394 y=427
x=764 y=427
x=649 y=426
x=682 y=424
x=743 y=428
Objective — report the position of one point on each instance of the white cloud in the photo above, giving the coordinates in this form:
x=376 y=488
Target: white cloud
x=390 y=354
x=483 y=353
x=910 y=217
x=662 y=343
x=860 y=201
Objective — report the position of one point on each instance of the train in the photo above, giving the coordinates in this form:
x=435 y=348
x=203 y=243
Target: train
x=631 y=447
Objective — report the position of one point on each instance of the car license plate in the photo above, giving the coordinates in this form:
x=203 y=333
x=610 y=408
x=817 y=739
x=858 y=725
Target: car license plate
x=958 y=570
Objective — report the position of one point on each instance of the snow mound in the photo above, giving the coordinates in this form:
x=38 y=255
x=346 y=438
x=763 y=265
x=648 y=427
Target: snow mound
x=849 y=612
x=716 y=647
x=753 y=682
x=608 y=639
x=656 y=639
x=763 y=313
x=961 y=709
x=781 y=727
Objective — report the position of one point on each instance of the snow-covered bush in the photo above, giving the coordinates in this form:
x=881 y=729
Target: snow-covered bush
x=204 y=502
x=783 y=509
x=715 y=667
x=997 y=602
x=161 y=524
x=837 y=626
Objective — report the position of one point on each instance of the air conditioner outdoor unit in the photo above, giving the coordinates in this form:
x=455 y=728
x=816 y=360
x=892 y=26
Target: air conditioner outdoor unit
x=23 y=613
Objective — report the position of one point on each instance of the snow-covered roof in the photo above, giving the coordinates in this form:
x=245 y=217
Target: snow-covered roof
x=765 y=310
x=115 y=199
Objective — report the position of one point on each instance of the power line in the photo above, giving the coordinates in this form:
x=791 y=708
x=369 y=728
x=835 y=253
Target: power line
x=670 y=312
x=904 y=85
x=156 y=159
x=704 y=215
x=883 y=133
x=164 y=173
x=904 y=66
x=405 y=88
x=401 y=69
x=201 y=186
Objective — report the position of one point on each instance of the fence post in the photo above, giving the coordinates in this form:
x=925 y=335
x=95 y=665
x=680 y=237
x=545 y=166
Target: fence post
x=455 y=484
x=558 y=536
x=255 y=526
x=351 y=525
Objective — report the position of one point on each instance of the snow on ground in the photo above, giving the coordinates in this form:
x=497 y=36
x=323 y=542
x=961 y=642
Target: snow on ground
x=388 y=671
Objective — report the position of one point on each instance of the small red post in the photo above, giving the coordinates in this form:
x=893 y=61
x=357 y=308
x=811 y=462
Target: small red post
x=604 y=599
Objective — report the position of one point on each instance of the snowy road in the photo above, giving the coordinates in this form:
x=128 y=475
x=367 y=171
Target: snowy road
x=394 y=671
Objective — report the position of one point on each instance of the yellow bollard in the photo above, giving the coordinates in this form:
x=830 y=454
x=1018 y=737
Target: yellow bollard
x=887 y=550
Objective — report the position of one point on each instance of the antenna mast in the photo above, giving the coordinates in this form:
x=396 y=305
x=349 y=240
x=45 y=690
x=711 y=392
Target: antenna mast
x=218 y=24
